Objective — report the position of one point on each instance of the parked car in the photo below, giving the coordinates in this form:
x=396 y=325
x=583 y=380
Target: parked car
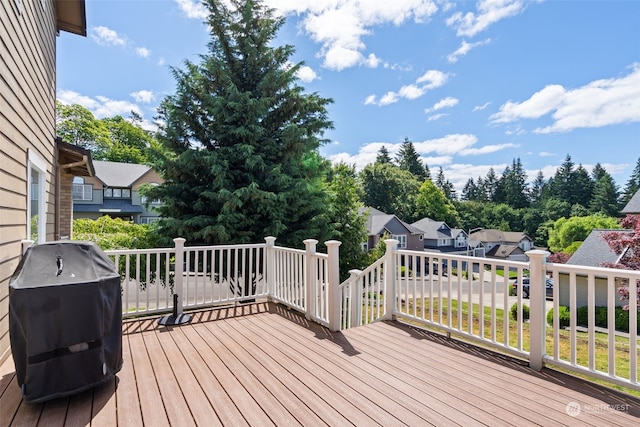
x=526 y=286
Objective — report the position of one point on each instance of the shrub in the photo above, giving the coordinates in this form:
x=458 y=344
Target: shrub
x=514 y=312
x=563 y=315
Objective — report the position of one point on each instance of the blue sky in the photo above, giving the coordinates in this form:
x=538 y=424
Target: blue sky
x=472 y=84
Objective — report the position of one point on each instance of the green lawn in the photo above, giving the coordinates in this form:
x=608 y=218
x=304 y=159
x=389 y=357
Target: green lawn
x=582 y=338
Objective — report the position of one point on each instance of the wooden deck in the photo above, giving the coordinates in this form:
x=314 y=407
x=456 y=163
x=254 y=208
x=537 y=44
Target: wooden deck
x=264 y=365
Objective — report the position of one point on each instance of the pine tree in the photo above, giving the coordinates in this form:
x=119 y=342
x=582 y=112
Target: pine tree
x=409 y=159
x=383 y=156
x=490 y=185
x=242 y=138
x=633 y=184
x=536 y=191
x=606 y=196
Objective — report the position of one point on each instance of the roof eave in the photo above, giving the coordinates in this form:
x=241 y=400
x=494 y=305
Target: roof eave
x=71 y=16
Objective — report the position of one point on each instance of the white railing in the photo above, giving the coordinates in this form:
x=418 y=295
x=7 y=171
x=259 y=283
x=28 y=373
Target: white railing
x=465 y=296
x=471 y=298
x=575 y=346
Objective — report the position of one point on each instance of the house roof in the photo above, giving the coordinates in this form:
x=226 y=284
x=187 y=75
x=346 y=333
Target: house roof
x=595 y=251
x=504 y=251
x=493 y=235
x=433 y=229
x=71 y=16
x=377 y=221
x=114 y=174
x=633 y=206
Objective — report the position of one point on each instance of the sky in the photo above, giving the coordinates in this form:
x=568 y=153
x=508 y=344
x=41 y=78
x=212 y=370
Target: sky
x=474 y=85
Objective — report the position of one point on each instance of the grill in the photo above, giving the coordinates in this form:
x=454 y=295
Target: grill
x=65 y=319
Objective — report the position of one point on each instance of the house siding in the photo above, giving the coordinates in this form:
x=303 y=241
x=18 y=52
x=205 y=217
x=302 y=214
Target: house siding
x=27 y=124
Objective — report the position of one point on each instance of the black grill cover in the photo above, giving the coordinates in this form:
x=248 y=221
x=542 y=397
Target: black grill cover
x=65 y=319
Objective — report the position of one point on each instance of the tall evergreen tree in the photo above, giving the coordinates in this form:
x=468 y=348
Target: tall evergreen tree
x=445 y=185
x=581 y=187
x=409 y=159
x=606 y=196
x=536 y=191
x=242 y=138
x=491 y=185
x=383 y=156
x=633 y=184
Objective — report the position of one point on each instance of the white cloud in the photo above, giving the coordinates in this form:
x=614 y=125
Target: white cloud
x=481 y=107
x=107 y=37
x=487 y=149
x=339 y=26
x=546 y=154
x=306 y=74
x=436 y=117
x=145 y=96
x=370 y=100
x=100 y=106
x=143 y=52
x=465 y=48
x=447 y=102
x=488 y=12
x=411 y=91
x=433 y=79
x=599 y=103
x=193 y=9
x=161 y=62
x=429 y=80
x=111 y=107
x=388 y=98
x=372 y=61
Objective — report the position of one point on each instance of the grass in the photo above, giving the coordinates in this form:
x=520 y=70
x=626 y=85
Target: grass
x=456 y=316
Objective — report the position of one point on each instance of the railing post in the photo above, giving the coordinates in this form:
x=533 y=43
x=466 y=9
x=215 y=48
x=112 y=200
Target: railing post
x=390 y=285
x=177 y=318
x=310 y=276
x=270 y=265
x=335 y=296
x=537 y=315
x=355 y=299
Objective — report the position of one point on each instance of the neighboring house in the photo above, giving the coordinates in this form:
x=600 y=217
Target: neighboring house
x=510 y=245
x=439 y=237
x=633 y=206
x=380 y=223
x=36 y=169
x=593 y=252
x=114 y=191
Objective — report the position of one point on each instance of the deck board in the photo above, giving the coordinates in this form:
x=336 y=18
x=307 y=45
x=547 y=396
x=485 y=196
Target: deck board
x=262 y=364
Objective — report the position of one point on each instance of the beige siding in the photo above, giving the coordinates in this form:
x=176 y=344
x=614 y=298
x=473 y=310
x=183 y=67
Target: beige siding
x=27 y=122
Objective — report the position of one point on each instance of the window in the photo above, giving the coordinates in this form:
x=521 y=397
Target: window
x=402 y=238
x=149 y=219
x=82 y=191
x=117 y=193
x=36 y=206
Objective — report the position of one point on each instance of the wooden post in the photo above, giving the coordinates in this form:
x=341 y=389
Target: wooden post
x=537 y=315
x=335 y=296
x=310 y=278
